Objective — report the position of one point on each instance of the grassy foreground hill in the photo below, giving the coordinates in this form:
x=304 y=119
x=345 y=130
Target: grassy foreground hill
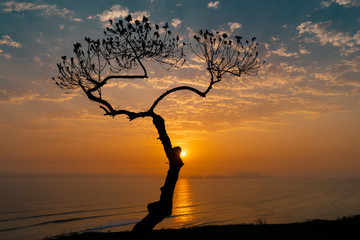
x=341 y=229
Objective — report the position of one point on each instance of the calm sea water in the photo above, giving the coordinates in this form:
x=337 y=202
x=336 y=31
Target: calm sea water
x=33 y=208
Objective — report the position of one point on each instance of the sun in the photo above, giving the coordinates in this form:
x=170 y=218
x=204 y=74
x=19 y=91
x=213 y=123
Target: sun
x=183 y=154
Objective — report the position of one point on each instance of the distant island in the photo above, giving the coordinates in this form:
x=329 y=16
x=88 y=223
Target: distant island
x=345 y=228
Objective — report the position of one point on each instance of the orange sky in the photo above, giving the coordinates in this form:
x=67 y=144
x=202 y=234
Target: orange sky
x=88 y=143
x=299 y=117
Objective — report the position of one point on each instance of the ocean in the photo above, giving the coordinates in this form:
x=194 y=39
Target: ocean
x=34 y=208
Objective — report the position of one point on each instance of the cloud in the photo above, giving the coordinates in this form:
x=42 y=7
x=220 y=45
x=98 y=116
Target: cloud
x=4 y=55
x=353 y=64
x=304 y=51
x=213 y=4
x=346 y=3
x=37 y=60
x=117 y=11
x=169 y=81
x=194 y=64
x=139 y=15
x=320 y=32
x=325 y=3
x=16 y=97
x=6 y=40
x=282 y=51
x=342 y=74
x=76 y=19
x=162 y=83
x=293 y=90
x=191 y=32
x=58 y=98
x=21 y=96
x=44 y=9
x=234 y=25
x=176 y=22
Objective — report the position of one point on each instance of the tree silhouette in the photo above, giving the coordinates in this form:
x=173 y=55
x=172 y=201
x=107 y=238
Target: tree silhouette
x=127 y=45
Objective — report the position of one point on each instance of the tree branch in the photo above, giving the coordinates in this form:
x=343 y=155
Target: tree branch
x=202 y=94
x=104 y=81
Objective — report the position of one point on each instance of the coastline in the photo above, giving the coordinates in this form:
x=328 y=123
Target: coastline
x=345 y=228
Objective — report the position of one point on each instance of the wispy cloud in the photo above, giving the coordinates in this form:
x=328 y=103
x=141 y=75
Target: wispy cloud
x=176 y=22
x=234 y=25
x=282 y=51
x=43 y=9
x=38 y=61
x=194 y=64
x=347 y=3
x=343 y=74
x=213 y=4
x=191 y=32
x=117 y=11
x=321 y=32
x=21 y=96
x=4 y=55
x=6 y=40
x=304 y=51
x=274 y=39
x=16 y=97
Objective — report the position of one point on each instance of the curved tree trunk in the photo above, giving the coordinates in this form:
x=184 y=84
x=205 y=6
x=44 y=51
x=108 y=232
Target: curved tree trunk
x=162 y=208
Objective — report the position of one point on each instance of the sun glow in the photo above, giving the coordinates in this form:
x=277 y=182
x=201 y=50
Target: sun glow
x=183 y=154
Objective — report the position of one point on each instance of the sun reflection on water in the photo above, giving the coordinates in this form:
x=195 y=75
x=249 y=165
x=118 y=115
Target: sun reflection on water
x=183 y=203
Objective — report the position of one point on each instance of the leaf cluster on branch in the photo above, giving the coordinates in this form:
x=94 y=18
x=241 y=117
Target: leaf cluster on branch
x=128 y=43
x=225 y=56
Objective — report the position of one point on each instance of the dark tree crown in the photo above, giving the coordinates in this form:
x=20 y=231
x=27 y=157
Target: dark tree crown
x=226 y=56
x=128 y=43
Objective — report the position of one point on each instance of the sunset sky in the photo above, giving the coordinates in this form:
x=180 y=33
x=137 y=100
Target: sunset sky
x=299 y=117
